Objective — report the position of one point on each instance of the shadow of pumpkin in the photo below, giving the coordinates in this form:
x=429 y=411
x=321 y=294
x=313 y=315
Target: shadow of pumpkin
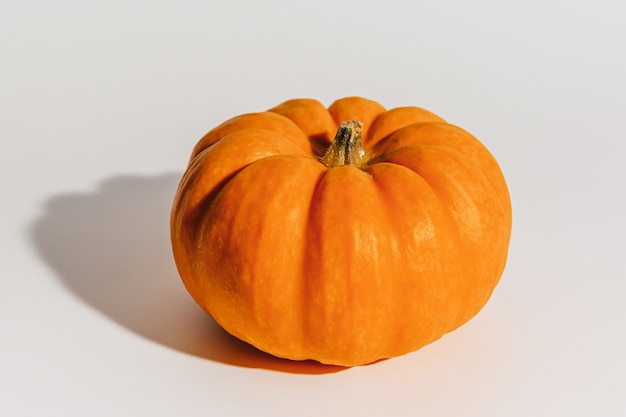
x=111 y=248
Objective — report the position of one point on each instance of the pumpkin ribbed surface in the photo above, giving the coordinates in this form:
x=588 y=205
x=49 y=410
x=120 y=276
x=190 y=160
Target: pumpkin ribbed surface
x=341 y=264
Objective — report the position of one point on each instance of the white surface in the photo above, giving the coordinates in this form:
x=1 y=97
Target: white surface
x=101 y=103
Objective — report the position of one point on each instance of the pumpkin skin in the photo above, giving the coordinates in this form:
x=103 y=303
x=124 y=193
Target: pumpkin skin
x=342 y=265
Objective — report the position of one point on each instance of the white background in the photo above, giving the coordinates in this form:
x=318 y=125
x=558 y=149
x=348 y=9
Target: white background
x=102 y=102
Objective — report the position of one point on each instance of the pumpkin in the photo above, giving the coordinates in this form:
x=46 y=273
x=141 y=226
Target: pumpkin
x=345 y=234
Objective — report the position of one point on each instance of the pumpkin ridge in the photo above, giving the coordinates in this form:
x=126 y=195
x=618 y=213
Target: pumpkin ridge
x=281 y=145
x=457 y=139
x=460 y=231
x=451 y=150
x=467 y=231
x=341 y=273
x=195 y=194
x=397 y=118
x=306 y=301
x=356 y=108
x=238 y=151
x=267 y=121
x=312 y=118
x=262 y=306
x=433 y=213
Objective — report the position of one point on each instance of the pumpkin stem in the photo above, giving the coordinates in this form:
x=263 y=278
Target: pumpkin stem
x=347 y=147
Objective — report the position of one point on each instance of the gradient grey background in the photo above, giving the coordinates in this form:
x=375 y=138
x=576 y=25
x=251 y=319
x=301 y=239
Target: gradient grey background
x=102 y=102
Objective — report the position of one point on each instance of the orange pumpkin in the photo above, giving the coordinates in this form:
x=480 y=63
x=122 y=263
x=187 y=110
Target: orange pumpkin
x=345 y=243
